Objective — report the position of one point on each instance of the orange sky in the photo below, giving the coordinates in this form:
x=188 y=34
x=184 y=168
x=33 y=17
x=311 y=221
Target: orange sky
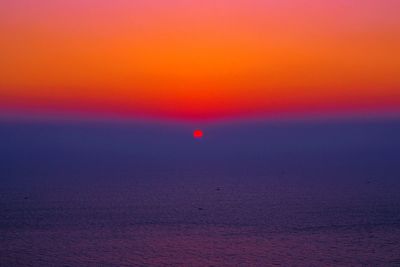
x=199 y=59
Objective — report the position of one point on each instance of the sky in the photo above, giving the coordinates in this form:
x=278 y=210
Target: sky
x=198 y=60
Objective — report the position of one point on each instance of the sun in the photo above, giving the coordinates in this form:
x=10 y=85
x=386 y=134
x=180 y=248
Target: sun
x=197 y=134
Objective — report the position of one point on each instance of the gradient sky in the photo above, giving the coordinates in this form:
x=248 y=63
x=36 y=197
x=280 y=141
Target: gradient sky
x=200 y=59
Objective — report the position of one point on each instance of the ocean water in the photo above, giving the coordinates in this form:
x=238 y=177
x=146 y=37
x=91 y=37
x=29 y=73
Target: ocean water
x=312 y=193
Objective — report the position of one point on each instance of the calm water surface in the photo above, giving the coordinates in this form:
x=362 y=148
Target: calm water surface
x=255 y=194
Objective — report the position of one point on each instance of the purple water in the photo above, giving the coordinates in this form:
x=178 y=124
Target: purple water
x=255 y=194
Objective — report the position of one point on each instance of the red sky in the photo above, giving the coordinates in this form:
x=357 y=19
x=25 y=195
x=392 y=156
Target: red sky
x=199 y=59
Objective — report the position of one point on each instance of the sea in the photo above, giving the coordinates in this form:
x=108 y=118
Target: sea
x=249 y=193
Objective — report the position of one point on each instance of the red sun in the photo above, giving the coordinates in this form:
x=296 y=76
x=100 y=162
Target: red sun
x=198 y=134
